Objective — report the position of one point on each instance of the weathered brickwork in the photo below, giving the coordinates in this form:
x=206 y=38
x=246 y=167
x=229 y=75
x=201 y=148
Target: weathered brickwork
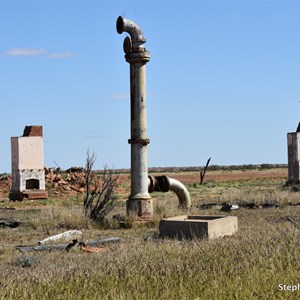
x=33 y=131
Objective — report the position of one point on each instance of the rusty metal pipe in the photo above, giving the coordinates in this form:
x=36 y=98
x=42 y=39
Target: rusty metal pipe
x=139 y=201
x=164 y=184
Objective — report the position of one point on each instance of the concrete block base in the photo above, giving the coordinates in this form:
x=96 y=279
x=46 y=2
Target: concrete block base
x=198 y=226
x=142 y=208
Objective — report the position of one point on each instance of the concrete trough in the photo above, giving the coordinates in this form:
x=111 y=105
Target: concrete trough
x=198 y=226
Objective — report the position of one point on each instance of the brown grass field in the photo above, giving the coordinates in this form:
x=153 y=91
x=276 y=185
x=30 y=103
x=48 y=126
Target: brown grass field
x=255 y=263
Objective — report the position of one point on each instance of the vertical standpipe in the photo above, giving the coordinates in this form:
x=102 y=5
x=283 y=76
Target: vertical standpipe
x=139 y=201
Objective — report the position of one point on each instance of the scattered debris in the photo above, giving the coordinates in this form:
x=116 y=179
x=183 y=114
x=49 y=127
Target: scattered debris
x=97 y=243
x=294 y=204
x=67 y=247
x=65 y=236
x=269 y=205
x=10 y=223
x=71 y=245
x=4 y=176
x=90 y=249
x=75 y=170
x=73 y=180
x=228 y=206
x=42 y=247
x=223 y=206
x=251 y=205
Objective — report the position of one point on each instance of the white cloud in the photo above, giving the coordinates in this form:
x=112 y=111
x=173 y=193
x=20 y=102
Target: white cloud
x=121 y=96
x=25 y=52
x=66 y=54
x=35 y=52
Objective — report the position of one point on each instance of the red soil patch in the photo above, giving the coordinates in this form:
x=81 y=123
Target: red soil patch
x=218 y=176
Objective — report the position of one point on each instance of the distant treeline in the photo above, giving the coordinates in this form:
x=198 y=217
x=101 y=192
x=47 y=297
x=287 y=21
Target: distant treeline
x=248 y=167
x=210 y=168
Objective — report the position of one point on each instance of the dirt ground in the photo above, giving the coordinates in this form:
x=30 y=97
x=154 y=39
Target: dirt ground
x=218 y=176
x=73 y=184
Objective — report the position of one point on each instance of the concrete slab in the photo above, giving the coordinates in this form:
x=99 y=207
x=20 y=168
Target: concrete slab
x=198 y=226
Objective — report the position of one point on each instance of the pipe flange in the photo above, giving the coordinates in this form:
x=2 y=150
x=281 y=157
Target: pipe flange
x=143 y=142
x=159 y=184
x=151 y=184
x=137 y=57
x=164 y=183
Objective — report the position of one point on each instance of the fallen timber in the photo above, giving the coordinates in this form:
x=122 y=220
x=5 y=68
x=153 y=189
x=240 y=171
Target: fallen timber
x=67 y=247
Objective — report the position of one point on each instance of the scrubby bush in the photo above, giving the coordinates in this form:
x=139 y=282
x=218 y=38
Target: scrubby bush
x=100 y=196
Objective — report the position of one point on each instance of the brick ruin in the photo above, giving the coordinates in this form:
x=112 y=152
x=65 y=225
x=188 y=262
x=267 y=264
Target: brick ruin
x=28 y=172
x=293 y=139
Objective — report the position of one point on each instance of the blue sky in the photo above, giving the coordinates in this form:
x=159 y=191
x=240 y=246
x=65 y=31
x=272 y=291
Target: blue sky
x=222 y=82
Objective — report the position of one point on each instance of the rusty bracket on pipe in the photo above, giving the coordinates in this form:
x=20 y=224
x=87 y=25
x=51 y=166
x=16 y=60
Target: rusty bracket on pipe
x=143 y=142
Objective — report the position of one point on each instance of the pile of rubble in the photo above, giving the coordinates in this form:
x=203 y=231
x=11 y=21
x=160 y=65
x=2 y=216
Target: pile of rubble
x=5 y=183
x=69 y=181
x=61 y=183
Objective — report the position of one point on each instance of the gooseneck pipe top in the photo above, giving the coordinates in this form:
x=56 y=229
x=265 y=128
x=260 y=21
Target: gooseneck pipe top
x=134 y=43
x=130 y=27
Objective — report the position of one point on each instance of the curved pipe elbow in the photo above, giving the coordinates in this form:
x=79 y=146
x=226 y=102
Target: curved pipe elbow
x=126 y=25
x=165 y=184
x=181 y=191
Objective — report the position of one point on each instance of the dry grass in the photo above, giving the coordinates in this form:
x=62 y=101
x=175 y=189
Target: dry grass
x=249 y=265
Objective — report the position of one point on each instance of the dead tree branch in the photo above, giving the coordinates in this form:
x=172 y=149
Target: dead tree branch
x=202 y=174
